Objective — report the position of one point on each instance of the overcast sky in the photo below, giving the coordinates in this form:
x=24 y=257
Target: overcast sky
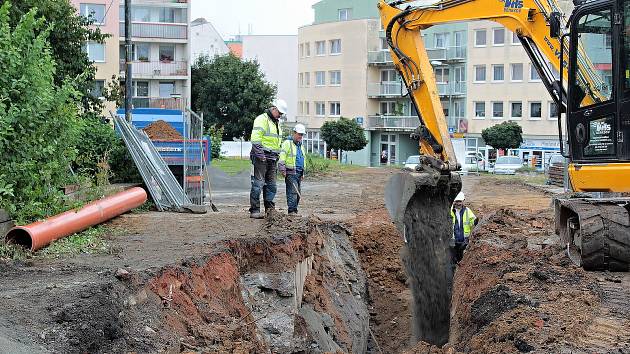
x=265 y=16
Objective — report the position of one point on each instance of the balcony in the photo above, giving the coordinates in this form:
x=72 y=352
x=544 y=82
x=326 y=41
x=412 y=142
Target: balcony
x=158 y=102
x=156 y=30
x=392 y=122
x=450 y=54
x=452 y=89
x=381 y=57
x=386 y=89
x=151 y=69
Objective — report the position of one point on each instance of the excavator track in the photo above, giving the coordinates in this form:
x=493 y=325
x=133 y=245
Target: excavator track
x=597 y=232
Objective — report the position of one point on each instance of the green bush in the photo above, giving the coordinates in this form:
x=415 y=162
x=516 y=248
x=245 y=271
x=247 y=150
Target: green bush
x=122 y=167
x=38 y=121
x=96 y=140
x=216 y=137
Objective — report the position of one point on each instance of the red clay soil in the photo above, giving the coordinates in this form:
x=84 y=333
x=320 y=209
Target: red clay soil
x=161 y=130
x=378 y=243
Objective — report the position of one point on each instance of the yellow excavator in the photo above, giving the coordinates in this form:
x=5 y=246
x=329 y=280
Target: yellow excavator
x=590 y=53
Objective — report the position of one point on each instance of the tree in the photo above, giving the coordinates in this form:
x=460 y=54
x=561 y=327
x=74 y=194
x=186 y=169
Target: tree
x=38 y=120
x=507 y=135
x=343 y=134
x=67 y=35
x=230 y=92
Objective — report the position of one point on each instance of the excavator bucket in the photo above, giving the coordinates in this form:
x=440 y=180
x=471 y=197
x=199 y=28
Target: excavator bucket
x=419 y=203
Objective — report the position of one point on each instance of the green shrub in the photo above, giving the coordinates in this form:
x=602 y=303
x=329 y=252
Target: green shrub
x=38 y=121
x=316 y=164
x=122 y=167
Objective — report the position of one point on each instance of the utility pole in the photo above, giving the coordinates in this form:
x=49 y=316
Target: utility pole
x=128 y=58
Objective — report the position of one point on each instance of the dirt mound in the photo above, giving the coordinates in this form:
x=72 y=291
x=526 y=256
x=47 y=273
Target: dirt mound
x=516 y=291
x=161 y=130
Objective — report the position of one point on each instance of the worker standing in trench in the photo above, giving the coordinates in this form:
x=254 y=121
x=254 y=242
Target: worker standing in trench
x=266 y=138
x=464 y=220
x=291 y=166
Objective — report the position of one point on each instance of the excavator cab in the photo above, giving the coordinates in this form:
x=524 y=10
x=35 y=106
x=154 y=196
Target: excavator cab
x=595 y=225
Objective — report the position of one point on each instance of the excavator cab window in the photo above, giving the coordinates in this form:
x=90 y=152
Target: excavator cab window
x=592 y=120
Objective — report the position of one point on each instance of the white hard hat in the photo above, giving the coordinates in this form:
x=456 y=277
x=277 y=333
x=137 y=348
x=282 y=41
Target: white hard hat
x=281 y=105
x=300 y=129
x=460 y=197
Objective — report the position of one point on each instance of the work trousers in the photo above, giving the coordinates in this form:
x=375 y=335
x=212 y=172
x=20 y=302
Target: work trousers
x=264 y=179
x=294 y=189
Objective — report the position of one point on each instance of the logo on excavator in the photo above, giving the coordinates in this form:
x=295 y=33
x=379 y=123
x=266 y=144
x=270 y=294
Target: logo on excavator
x=512 y=5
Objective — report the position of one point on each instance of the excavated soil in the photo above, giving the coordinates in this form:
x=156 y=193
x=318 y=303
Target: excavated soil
x=161 y=130
x=218 y=283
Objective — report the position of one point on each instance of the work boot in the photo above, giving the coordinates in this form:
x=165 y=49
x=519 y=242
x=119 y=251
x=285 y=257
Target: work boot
x=256 y=215
x=293 y=213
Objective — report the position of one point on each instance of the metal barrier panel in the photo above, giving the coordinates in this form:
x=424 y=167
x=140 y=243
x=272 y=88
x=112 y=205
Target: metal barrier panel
x=195 y=155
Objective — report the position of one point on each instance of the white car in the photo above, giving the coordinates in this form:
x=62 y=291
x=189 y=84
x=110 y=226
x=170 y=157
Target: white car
x=412 y=162
x=473 y=164
x=507 y=165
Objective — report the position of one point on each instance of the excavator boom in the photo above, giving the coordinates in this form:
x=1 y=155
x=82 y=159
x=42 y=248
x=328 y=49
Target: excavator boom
x=419 y=201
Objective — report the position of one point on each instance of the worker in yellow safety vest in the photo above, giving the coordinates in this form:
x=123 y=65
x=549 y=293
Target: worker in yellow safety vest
x=464 y=220
x=291 y=165
x=266 y=138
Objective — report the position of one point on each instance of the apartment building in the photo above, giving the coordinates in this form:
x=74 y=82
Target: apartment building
x=161 y=52
x=205 y=40
x=104 y=55
x=505 y=86
x=277 y=56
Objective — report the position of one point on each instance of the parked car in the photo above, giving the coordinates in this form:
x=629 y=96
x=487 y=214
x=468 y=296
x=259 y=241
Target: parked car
x=507 y=165
x=473 y=164
x=412 y=162
x=481 y=161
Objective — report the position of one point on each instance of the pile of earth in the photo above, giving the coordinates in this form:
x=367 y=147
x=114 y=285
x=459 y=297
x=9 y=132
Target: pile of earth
x=161 y=130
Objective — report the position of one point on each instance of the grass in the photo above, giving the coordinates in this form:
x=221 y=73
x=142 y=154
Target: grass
x=538 y=178
x=231 y=166
x=10 y=252
x=89 y=241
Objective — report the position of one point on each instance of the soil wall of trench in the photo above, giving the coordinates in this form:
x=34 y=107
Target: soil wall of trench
x=296 y=287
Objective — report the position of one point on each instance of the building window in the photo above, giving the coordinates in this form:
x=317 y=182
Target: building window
x=553 y=111
x=167 y=88
x=307 y=79
x=516 y=109
x=301 y=79
x=533 y=74
x=335 y=109
x=384 y=44
x=515 y=40
x=320 y=48
x=480 y=38
x=389 y=76
x=497 y=109
x=498 y=74
x=97 y=88
x=95 y=12
x=441 y=75
x=167 y=53
x=388 y=108
x=335 y=46
x=480 y=109
x=480 y=73
x=517 y=71
x=535 y=110
x=301 y=50
x=320 y=78
x=141 y=88
x=320 y=109
x=167 y=15
x=441 y=40
x=142 y=51
x=95 y=51
x=140 y=14
x=335 y=78
x=307 y=110
x=307 y=49
x=498 y=36
x=344 y=14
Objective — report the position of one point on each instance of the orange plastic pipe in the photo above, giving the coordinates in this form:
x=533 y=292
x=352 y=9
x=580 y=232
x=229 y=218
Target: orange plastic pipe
x=40 y=234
